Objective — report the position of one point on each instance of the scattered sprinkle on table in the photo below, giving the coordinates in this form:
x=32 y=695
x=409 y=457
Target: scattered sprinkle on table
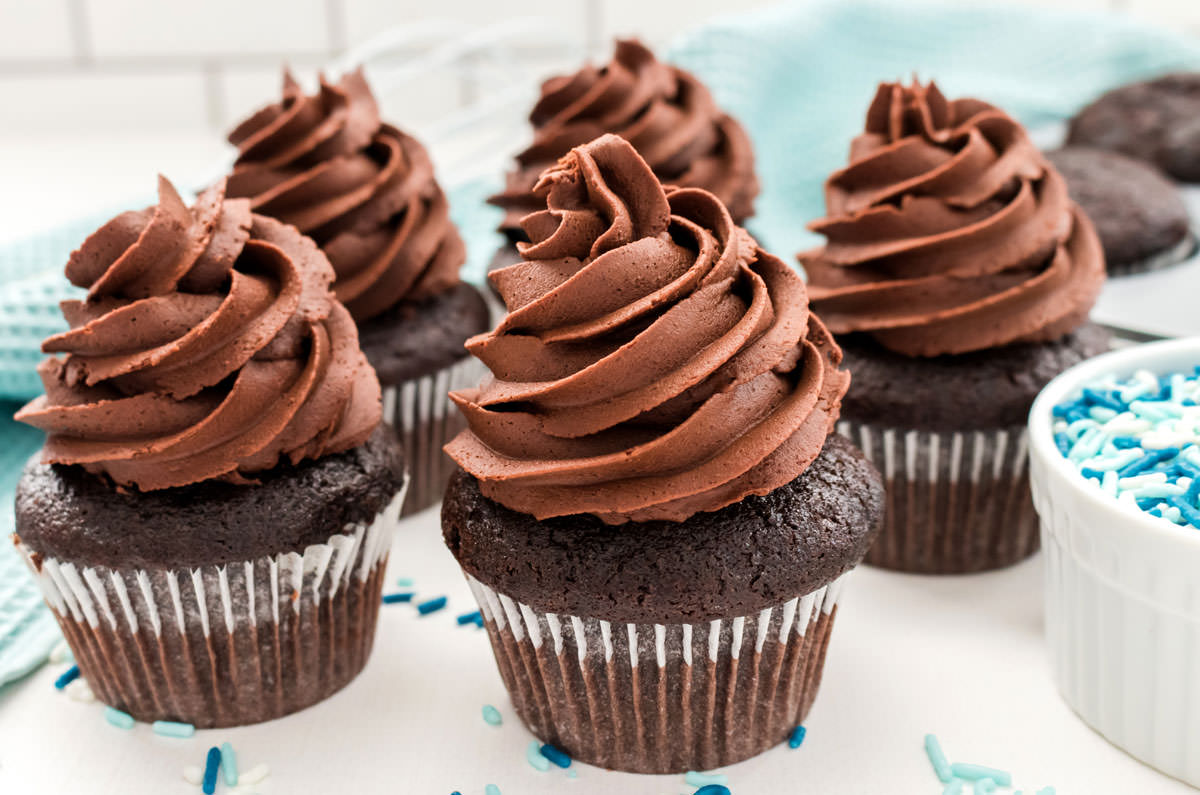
x=1046 y=791
x=1138 y=440
x=695 y=778
x=533 y=754
x=229 y=765
x=984 y=786
x=978 y=772
x=471 y=618
x=431 y=605
x=491 y=789
x=61 y=653
x=938 y=759
x=397 y=598
x=953 y=787
x=797 y=737
x=557 y=756
x=404 y=582
x=211 y=763
x=713 y=789
x=122 y=720
x=193 y=775
x=491 y=715
x=255 y=775
x=80 y=690
x=68 y=676
x=170 y=728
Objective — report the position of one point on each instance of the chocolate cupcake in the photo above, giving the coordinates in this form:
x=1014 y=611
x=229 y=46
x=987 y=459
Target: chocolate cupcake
x=1157 y=121
x=366 y=193
x=958 y=276
x=664 y=111
x=210 y=516
x=652 y=512
x=1138 y=213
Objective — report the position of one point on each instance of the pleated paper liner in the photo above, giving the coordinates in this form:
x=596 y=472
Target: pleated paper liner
x=224 y=645
x=661 y=698
x=425 y=420
x=957 y=501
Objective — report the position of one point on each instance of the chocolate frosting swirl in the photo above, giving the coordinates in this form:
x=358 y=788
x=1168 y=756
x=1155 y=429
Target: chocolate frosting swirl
x=208 y=346
x=363 y=190
x=665 y=112
x=949 y=232
x=654 y=363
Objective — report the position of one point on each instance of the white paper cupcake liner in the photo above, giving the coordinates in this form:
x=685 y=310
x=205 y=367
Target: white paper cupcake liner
x=661 y=698
x=224 y=645
x=956 y=501
x=422 y=414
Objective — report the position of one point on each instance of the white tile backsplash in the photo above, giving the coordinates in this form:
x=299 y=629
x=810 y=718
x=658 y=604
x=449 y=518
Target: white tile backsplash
x=150 y=99
x=35 y=30
x=364 y=18
x=213 y=28
x=658 y=23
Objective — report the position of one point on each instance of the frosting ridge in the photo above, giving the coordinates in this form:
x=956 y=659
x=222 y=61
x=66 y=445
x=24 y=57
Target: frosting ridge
x=665 y=112
x=209 y=346
x=654 y=362
x=949 y=232
x=364 y=190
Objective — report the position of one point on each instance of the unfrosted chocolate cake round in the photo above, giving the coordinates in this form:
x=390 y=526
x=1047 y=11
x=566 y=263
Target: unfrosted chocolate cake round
x=652 y=512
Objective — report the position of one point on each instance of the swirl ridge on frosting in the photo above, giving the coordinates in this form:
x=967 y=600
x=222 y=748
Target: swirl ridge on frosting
x=364 y=190
x=654 y=362
x=665 y=112
x=208 y=346
x=949 y=232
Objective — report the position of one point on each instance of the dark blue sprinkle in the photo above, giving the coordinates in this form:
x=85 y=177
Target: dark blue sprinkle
x=211 y=763
x=394 y=598
x=1189 y=513
x=1187 y=402
x=1148 y=503
x=1099 y=398
x=456 y=792
x=556 y=755
x=1088 y=472
x=1193 y=492
x=469 y=618
x=1062 y=409
x=1146 y=461
x=69 y=676
x=1077 y=414
x=1126 y=442
x=796 y=738
x=1063 y=442
x=713 y=789
x=431 y=605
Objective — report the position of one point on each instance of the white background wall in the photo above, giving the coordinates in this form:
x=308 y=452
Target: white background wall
x=167 y=64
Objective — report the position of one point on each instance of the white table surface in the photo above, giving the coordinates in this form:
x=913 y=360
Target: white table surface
x=959 y=656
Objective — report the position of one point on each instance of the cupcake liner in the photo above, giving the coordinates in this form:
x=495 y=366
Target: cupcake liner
x=957 y=501
x=661 y=698
x=422 y=414
x=224 y=645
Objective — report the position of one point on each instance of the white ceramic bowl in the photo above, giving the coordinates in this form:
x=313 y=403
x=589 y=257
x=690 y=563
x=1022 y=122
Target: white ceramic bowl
x=1122 y=588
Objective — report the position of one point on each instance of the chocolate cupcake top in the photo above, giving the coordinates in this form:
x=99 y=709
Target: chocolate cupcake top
x=363 y=190
x=665 y=112
x=949 y=232
x=208 y=346
x=654 y=363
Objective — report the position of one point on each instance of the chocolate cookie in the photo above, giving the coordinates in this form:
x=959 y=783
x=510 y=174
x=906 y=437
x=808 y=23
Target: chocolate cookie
x=1141 y=219
x=1157 y=121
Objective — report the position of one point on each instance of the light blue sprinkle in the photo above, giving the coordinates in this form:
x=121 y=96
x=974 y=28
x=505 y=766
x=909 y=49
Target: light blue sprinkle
x=937 y=758
x=404 y=582
x=977 y=772
x=491 y=789
x=170 y=728
x=1046 y=791
x=1079 y=427
x=491 y=715
x=953 y=787
x=533 y=755
x=1116 y=460
x=122 y=720
x=572 y=773
x=694 y=778
x=229 y=765
x=984 y=786
x=1159 y=490
x=1101 y=413
x=1087 y=445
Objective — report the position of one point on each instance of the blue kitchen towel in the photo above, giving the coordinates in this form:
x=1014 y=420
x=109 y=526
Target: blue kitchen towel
x=799 y=76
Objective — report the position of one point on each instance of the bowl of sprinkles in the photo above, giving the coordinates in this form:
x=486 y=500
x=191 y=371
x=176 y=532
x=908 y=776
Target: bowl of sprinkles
x=1114 y=446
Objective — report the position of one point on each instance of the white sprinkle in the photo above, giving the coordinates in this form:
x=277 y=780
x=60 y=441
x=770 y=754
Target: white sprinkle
x=193 y=775
x=61 y=653
x=1109 y=483
x=79 y=690
x=254 y=775
x=1137 y=481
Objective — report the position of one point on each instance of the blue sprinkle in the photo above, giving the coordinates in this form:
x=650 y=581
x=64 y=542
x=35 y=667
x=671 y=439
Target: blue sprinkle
x=394 y=598
x=572 y=773
x=431 y=605
x=170 y=728
x=211 y=763
x=1063 y=443
x=491 y=789
x=229 y=765
x=557 y=756
x=533 y=754
x=1090 y=473
x=122 y=720
x=1147 y=461
x=1187 y=510
x=695 y=778
x=1148 y=503
x=977 y=772
x=68 y=676
x=491 y=715
x=937 y=758
x=984 y=786
x=469 y=618
x=1099 y=398
x=404 y=582
x=797 y=737
x=1126 y=442
x=713 y=789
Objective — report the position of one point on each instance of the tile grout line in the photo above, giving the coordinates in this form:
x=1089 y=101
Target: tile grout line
x=81 y=32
